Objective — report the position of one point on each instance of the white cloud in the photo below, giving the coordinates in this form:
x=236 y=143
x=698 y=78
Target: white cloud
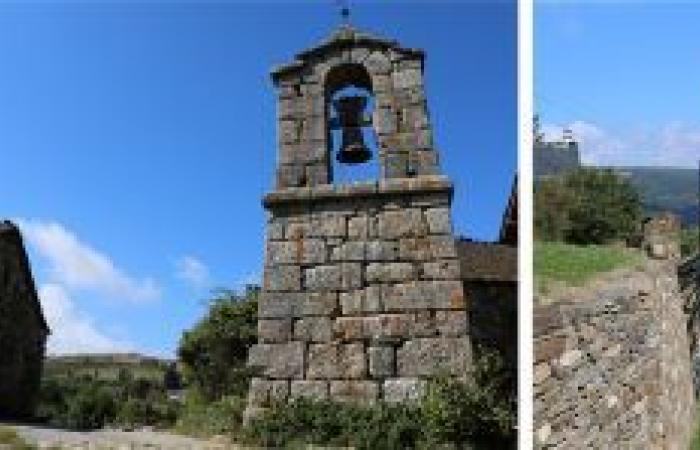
x=193 y=271
x=72 y=331
x=674 y=144
x=77 y=265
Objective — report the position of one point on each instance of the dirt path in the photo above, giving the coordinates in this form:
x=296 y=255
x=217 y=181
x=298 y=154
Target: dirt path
x=116 y=440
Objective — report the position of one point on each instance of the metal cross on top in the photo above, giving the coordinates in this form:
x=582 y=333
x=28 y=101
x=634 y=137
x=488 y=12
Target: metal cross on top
x=344 y=11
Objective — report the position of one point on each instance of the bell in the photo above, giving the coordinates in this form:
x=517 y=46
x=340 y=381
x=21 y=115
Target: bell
x=350 y=120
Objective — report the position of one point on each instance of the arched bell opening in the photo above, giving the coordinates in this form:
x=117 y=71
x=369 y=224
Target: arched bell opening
x=352 y=143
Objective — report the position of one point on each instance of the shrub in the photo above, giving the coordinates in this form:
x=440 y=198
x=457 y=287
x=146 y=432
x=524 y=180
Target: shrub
x=479 y=412
x=379 y=427
x=213 y=354
x=201 y=418
x=587 y=206
x=91 y=407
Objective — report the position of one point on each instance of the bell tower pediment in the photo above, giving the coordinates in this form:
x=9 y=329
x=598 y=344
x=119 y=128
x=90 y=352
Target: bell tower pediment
x=382 y=74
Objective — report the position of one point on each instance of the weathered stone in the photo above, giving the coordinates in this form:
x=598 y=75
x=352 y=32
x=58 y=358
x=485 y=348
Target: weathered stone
x=297 y=230
x=317 y=304
x=403 y=390
x=407 y=78
x=282 y=278
x=288 y=131
x=259 y=392
x=351 y=276
x=275 y=230
x=430 y=356
x=315 y=390
x=360 y=301
x=339 y=361
x=290 y=175
x=279 y=390
x=410 y=296
x=382 y=251
x=349 y=251
x=428 y=248
x=447 y=295
x=323 y=278
x=358 y=227
x=402 y=223
x=276 y=305
x=381 y=361
x=329 y=225
x=277 y=361
x=377 y=63
x=313 y=329
x=352 y=302
x=390 y=272
x=446 y=269
x=365 y=392
x=274 y=330
x=438 y=220
x=424 y=324
x=451 y=323
x=301 y=251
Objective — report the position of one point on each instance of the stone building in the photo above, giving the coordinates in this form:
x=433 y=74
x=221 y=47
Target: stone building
x=554 y=157
x=362 y=294
x=23 y=329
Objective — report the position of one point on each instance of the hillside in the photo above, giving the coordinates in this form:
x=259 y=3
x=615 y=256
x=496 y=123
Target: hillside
x=105 y=366
x=667 y=189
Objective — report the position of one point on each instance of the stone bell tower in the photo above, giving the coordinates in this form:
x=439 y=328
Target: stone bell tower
x=362 y=298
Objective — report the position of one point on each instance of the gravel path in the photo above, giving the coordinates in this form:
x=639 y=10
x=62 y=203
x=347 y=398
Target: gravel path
x=117 y=440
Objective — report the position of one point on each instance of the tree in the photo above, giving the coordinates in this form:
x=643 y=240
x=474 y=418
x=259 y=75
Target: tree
x=213 y=354
x=587 y=206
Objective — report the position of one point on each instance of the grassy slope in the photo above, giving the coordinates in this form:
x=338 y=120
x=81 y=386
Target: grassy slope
x=573 y=265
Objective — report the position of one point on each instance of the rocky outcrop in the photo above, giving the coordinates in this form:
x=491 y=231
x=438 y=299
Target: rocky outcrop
x=23 y=330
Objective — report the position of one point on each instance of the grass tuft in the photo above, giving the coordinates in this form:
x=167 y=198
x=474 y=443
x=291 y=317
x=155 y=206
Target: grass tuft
x=573 y=265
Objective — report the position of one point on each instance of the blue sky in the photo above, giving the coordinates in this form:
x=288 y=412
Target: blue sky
x=138 y=138
x=624 y=76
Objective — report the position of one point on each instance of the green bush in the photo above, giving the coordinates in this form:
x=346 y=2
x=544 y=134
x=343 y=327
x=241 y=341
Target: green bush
x=476 y=413
x=689 y=241
x=89 y=403
x=91 y=407
x=213 y=354
x=198 y=417
x=587 y=206
x=329 y=423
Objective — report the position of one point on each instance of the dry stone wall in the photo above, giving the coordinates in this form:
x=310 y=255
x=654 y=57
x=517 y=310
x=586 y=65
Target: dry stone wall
x=362 y=298
x=612 y=364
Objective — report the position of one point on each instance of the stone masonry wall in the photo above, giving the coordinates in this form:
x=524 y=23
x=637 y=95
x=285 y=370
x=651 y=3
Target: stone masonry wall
x=22 y=328
x=612 y=364
x=362 y=298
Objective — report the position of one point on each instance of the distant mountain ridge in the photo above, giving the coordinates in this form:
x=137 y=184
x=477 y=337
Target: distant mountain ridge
x=666 y=189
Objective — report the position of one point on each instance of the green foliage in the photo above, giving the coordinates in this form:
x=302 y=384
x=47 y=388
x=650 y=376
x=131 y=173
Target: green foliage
x=87 y=402
x=478 y=413
x=689 y=241
x=201 y=418
x=586 y=206
x=328 y=423
x=573 y=264
x=479 y=409
x=213 y=354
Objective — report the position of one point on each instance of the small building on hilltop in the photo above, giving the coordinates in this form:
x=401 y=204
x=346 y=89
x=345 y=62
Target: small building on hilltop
x=554 y=157
x=23 y=328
